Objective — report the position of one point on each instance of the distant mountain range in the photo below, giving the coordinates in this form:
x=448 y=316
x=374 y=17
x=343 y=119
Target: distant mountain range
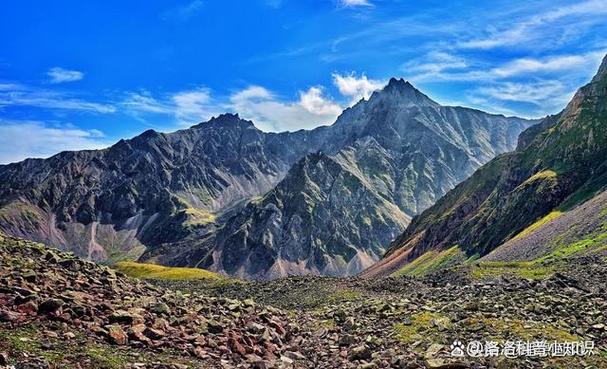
x=544 y=201
x=226 y=196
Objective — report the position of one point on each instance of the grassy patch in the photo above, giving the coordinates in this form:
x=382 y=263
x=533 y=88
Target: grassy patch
x=542 y=267
x=543 y=175
x=104 y=357
x=421 y=325
x=527 y=231
x=199 y=217
x=523 y=269
x=153 y=271
x=431 y=261
x=343 y=295
x=598 y=242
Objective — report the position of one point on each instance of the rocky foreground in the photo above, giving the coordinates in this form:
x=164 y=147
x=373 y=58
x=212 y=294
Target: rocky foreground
x=60 y=311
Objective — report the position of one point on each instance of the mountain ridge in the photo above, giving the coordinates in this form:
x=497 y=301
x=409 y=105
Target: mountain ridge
x=394 y=157
x=143 y=196
x=559 y=163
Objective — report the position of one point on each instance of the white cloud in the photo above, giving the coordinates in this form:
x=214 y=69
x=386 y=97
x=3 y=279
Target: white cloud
x=546 y=96
x=186 y=107
x=356 y=88
x=540 y=93
x=354 y=3
x=548 y=64
x=491 y=106
x=60 y=75
x=313 y=101
x=541 y=27
x=193 y=106
x=270 y=114
x=144 y=102
x=11 y=87
x=311 y=109
x=434 y=63
x=426 y=68
x=24 y=96
x=33 y=139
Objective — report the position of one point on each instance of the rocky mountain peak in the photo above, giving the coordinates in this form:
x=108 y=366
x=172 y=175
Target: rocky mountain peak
x=399 y=83
x=226 y=119
x=602 y=73
x=403 y=92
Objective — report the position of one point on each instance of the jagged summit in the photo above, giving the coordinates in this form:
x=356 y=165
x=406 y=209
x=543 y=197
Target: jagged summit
x=559 y=165
x=403 y=92
x=399 y=83
x=225 y=119
x=602 y=72
x=228 y=196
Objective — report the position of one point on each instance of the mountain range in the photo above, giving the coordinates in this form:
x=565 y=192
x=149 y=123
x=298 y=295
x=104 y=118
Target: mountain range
x=228 y=197
x=541 y=203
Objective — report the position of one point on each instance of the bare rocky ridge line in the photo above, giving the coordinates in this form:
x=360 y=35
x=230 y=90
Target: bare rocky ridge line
x=558 y=164
x=335 y=211
x=184 y=198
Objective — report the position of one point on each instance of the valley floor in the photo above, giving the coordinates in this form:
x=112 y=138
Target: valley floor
x=59 y=311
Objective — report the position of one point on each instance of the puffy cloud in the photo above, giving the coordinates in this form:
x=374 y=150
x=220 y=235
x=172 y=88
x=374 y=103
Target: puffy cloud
x=271 y=114
x=313 y=101
x=354 y=87
x=60 y=75
x=193 y=106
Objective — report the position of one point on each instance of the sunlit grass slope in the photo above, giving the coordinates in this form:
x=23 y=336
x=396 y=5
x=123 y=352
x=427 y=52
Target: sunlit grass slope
x=153 y=271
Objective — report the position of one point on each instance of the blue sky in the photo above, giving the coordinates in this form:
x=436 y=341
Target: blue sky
x=83 y=74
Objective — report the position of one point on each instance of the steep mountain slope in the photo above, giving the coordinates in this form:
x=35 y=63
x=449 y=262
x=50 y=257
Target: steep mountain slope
x=166 y=197
x=143 y=191
x=387 y=159
x=558 y=164
x=559 y=234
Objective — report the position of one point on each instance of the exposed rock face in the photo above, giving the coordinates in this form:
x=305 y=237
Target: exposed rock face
x=558 y=164
x=142 y=191
x=166 y=197
x=387 y=159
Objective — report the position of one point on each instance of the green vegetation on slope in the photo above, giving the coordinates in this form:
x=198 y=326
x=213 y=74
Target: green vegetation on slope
x=432 y=261
x=561 y=166
x=527 y=231
x=523 y=269
x=596 y=242
x=199 y=217
x=544 y=266
x=422 y=324
x=153 y=271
